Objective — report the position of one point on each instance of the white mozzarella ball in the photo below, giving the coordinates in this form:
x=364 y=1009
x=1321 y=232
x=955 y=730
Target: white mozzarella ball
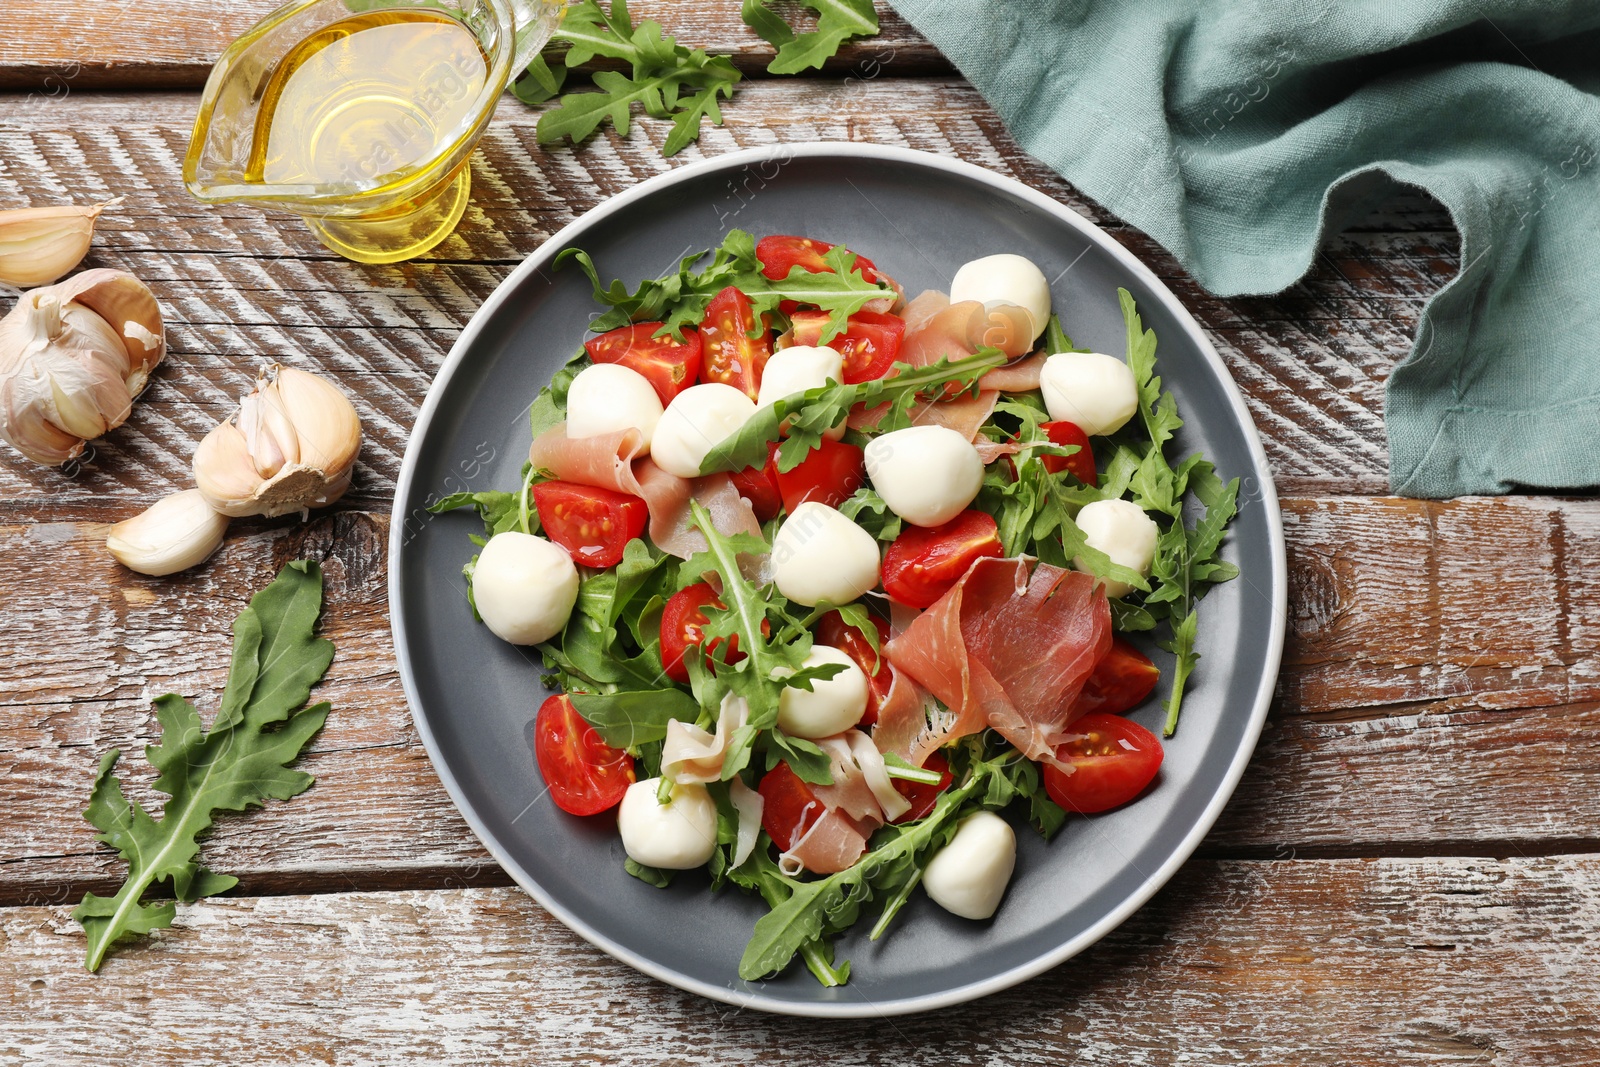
x=969 y=875
x=1121 y=530
x=926 y=474
x=674 y=836
x=820 y=555
x=1005 y=279
x=1094 y=392
x=606 y=398
x=833 y=705
x=524 y=587
x=798 y=368
x=698 y=419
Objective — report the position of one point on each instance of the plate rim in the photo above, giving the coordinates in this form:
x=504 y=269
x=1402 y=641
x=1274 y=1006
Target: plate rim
x=1267 y=499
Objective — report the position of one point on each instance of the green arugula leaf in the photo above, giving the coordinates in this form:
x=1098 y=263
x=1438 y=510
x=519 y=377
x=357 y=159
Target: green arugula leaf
x=649 y=875
x=260 y=728
x=871 y=512
x=841 y=291
x=678 y=300
x=837 y=22
x=812 y=413
x=635 y=717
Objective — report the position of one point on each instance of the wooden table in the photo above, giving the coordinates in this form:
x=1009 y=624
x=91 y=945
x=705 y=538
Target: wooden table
x=1408 y=871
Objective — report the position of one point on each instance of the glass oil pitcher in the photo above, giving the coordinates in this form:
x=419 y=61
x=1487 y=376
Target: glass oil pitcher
x=360 y=115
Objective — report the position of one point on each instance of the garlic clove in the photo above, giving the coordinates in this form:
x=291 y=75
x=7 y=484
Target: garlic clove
x=25 y=425
x=327 y=424
x=40 y=244
x=128 y=305
x=224 y=471
x=173 y=534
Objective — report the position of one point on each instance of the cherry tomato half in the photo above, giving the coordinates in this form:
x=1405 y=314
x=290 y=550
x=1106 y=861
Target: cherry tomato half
x=759 y=485
x=870 y=343
x=1081 y=462
x=924 y=797
x=669 y=366
x=788 y=806
x=594 y=525
x=1112 y=764
x=682 y=622
x=833 y=630
x=830 y=474
x=923 y=563
x=1120 y=681
x=728 y=353
x=585 y=775
x=780 y=254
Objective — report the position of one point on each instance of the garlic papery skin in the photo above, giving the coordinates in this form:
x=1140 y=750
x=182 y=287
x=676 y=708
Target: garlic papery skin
x=173 y=534
x=291 y=446
x=72 y=358
x=40 y=244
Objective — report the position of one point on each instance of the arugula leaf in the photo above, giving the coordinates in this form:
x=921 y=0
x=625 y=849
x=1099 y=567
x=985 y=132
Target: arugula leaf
x=260 y=728
x=841 y=291
x=631 y=718
x=812 y=413
x=837 y=22
x=679 y=299
x=667 y=81
x=649 y=875
x=871 y=512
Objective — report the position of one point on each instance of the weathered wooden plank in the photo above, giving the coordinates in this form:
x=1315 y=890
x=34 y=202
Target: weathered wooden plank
x=1470 y=962
x=239 y=285
x=1441 y=663
x=58 y=50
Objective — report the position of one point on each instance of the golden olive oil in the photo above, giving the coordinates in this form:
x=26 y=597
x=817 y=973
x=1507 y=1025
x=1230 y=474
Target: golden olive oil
x=367 y=99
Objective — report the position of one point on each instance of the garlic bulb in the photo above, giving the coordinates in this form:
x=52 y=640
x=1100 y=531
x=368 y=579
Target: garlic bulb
x=292 y=445
x=72 y=358
x=40 y=244
x=173 y=534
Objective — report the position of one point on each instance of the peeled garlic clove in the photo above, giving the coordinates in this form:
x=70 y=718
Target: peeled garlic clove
x=72 y=358
x=40 y=244
x=173 y=534
x=291 y=446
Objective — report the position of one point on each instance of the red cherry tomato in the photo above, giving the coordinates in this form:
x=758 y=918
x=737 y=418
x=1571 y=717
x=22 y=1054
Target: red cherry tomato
x=870 y=343
x=670 y=367
x=788 y=806
x=592 y=524
x=833 y=630
x=1081 y=462
x=584 y=774
x=1122 y=680
x=759 y=485
x=1112 y=764
x=682 y=622
x=924 y=797
x=728 y=353
x=779 y=255
x=829 y=474
x=924 y=562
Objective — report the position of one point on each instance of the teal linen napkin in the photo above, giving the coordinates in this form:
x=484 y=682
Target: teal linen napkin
x=1237 y=133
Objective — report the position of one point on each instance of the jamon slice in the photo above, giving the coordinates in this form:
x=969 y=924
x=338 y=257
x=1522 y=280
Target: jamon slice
x=1007 y=647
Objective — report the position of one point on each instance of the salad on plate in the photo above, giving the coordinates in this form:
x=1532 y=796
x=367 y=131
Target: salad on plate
x=834 y=585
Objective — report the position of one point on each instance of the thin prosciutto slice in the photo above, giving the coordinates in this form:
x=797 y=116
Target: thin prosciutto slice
x=858 y=801
x=1007 y=647
x=613 y=461
x=937 y=329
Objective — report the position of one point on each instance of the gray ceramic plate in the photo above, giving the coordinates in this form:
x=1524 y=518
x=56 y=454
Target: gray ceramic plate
x=919 y=217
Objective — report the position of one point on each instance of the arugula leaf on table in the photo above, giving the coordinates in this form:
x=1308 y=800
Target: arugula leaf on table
x=837 y=22
x=814 y=412
x=261 y=726
x=667 y=80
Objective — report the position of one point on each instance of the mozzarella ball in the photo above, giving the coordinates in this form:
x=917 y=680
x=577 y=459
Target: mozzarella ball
x=698 y=419
x=1094 y=392
x=1121 y=530
x=798 y=368
x=1005 y=279
x=926 y=474
x=820 y=555
x=969 y=875
x=524 y=587
x=606 y=398
x=833 y=705
x=674 y=836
